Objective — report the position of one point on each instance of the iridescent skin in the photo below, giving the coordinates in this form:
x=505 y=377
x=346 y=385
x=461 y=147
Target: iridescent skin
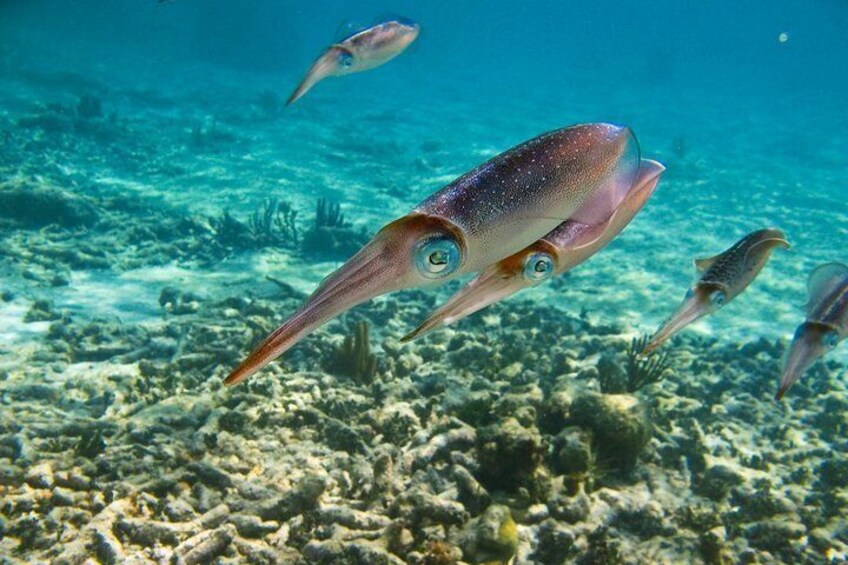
x=567 y=246
x=724 y=277
x=826 y=324
x=361 y=51
x=485 y=215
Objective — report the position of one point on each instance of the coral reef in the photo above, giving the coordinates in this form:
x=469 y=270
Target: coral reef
x=34 y=206
x=619 y=424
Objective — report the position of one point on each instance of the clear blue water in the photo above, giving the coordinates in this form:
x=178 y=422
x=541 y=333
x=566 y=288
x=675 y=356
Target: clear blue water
x=744 y=102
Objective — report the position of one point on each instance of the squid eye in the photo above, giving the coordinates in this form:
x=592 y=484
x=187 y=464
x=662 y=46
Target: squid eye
x=718 y=298
x=538 y=267
x=830 y=339
x=345 y=59
x=437 y=257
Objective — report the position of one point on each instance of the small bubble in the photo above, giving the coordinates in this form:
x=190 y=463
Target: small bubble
x=783 y=37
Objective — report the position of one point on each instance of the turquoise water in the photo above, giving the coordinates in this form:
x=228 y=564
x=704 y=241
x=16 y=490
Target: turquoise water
x=131 y=131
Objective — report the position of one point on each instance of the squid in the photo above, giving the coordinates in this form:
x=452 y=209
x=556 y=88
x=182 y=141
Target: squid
x=723 y=278
x=826 y=324
x=501 y=206
x=362 y=51
x=567 y=246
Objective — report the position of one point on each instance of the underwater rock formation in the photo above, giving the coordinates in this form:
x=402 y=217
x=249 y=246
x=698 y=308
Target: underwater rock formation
x=510 y=441
x=35 y=205
x=619 y=424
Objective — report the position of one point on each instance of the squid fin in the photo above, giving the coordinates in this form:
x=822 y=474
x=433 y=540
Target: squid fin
x=772 y=241
x=603 y=204
x=823 y=281
x=703 y=265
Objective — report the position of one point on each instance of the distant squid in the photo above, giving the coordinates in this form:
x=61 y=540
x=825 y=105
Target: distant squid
x=723 y=278
x=364 y=50
x=581 y=172
x=826 y=324
x=568 y=245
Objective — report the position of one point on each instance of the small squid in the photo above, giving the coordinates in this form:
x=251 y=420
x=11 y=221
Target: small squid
x=581 y=172
x=567 y=246
x=723 y=278
x=359 y=52
x=826 y=324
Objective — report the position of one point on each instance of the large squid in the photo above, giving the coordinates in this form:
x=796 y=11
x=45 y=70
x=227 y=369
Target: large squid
x=826 y=324
x=581 y=172
x=359 y=52
x=723 y=278
x=567 y=246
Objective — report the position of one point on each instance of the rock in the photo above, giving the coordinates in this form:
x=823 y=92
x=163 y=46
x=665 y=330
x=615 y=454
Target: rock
x=258 y=553
x=342 y=437
x=91 y=444
x=422 y=507
x=571 y=508
x=11 y=475
x=215 y=517
x=436 y=552
x=610 y=375
x=209 y=475
x=107 y=548
x=40 y=476
x=205 y=499
x=398 y=423
x=73 y=480
x=179 y=510
x=509 y=454
x=351 y=518
x=472 y=494
x=716 y=481
x=12 y=447
x=35 y=206
x=399 y=539
x=232 y=421
x=440 y=446
x=473 y=407
x=62 y=497
x=252 y=527
x=646 y=521
x=619 y=423
x=179 y=303
x=554 y=545
x=359 y=552
x=42 y=311
x=149 y=532
x=572 y=452
x=535 y=514
x=205 y=547
x=304 y=496
x=712 y=547
x=776 y=536
x=492 y=537
x=383 y=472
x=833 y=473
